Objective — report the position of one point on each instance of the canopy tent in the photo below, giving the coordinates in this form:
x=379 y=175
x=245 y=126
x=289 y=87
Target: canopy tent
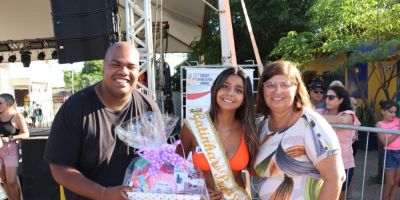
x=24 y=21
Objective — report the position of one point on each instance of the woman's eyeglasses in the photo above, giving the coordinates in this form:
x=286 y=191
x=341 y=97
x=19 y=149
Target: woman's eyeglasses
x=330 y=97
x=273 y=86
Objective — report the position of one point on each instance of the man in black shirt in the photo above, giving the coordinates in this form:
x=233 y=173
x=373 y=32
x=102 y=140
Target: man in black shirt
x=84 y=153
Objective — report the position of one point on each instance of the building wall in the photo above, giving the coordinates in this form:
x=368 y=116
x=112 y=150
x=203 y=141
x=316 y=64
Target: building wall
x=5 y=85
x=322 y=65
x=374 y=84
x=32 y=84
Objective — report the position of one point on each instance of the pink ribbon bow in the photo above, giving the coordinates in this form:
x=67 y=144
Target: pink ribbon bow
x=158 y=157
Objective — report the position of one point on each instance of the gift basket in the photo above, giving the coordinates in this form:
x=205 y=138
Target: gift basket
x=158 y=172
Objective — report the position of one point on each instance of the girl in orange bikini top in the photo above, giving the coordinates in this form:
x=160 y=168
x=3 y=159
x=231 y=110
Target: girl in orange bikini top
x=238 y=162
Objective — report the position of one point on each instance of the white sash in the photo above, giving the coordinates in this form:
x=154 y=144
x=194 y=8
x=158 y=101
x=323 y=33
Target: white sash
x=202 y=128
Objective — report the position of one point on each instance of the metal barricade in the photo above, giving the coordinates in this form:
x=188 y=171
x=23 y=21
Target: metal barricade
x=372 y=190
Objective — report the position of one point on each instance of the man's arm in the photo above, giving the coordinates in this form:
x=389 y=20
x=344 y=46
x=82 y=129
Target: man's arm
x=77 y=183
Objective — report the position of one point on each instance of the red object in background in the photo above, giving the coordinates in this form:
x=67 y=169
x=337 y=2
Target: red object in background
x=143 y=78
x=196 y=95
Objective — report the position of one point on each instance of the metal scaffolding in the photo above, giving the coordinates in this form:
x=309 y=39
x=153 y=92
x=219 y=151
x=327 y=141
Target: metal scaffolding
x=138 y=19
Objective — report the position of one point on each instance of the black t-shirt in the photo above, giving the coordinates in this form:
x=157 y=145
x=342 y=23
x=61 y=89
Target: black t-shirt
x=82 y=136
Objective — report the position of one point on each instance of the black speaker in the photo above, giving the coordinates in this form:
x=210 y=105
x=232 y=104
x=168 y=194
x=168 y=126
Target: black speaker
x=36 y=180
x=72 y=50
x=83 y=29
x=80 y=26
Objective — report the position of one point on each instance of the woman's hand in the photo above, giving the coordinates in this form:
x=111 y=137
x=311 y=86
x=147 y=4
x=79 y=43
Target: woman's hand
x=214 y=194
x=5 y=139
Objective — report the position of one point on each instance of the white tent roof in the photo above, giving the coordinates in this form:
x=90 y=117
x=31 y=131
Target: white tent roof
x=31 y=19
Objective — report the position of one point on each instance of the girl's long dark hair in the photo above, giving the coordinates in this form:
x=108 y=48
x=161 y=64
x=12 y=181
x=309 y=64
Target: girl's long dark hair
x=341 y=93
x=387 y=104
x=245 y=113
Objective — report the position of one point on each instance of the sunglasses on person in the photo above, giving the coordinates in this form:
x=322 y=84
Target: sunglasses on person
x=318 y=91
x=330 y=97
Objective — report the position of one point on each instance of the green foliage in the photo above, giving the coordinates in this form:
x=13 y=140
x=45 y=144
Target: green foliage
x=176 y=79
x=209 y=46
x=346 y=24
x=363 y=115
x=338 y=27
x=91 y=73
x=342 y=26
x=270 y=21
x=68 y=79
x=299 y=48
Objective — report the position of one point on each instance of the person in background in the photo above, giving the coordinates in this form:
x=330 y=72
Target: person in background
x=39 y=115
x=317 y=90
x=336 y=83
x=299 y=156
x=339 y=111
x=83 y=151
x=27 y=117
x=32 y=115
x=12 y=129
x=353 y=103
x=232 y=115
x=391 y=143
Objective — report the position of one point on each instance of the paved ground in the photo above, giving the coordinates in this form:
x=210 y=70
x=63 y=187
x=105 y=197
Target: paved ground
x=371 y=190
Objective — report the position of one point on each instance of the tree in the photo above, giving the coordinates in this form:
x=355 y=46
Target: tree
x=270 y=20
x=350 y=27
x=68 y=74
x=344 y=27
x=299 y=48
x=91 y=73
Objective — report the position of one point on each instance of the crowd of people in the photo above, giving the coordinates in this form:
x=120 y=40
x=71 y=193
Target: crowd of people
x=286 y=139
x=33 y=115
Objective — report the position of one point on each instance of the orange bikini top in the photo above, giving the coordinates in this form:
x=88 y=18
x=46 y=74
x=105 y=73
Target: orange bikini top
x=238 y=162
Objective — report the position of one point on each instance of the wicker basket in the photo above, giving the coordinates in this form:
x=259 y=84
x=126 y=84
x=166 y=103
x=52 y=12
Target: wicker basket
x=157 y=196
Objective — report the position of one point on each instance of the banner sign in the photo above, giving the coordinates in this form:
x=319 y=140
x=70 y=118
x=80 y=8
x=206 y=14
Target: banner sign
x=198 y=87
